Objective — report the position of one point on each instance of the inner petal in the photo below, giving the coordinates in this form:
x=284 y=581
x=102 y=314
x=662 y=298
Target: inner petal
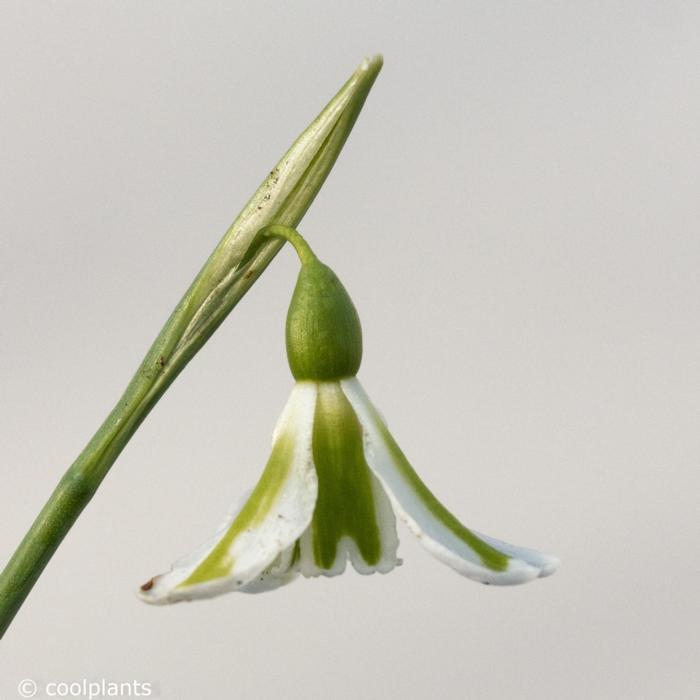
x=352 y=517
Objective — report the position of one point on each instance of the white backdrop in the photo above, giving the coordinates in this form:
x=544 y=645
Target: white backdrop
x=516 y=217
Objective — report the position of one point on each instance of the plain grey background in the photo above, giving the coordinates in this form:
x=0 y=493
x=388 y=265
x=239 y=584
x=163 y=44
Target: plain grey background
x=516 y=217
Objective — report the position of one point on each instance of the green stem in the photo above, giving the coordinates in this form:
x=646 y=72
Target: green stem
x=287 y=233
x=236 y=263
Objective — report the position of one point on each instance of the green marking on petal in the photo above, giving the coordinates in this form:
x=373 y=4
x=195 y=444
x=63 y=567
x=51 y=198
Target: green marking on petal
x=219 y=562
x=491 y=557
x=296 y=555
x=345 y=504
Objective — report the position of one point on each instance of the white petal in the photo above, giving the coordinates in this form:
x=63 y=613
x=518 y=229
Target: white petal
x=278 y=574
x=438 y=531
x=248 y=544
x=546 y=564
x=353 y=519
x=348 y=549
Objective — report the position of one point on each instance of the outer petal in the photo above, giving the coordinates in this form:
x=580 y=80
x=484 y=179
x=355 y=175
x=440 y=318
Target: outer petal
x=247 y=551
x=477 y=556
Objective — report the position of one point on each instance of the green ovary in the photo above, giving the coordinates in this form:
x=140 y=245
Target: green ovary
x=345 y=504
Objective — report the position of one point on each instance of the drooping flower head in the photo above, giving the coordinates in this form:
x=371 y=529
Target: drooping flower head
x=334 y=479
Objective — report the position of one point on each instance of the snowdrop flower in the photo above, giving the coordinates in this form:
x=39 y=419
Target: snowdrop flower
x=335 y=478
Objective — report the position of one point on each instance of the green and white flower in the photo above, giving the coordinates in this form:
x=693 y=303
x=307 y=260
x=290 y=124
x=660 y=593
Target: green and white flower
x=335 y=478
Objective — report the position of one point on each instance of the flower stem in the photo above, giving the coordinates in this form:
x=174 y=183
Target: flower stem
x=236 y=263
x=287 y=233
